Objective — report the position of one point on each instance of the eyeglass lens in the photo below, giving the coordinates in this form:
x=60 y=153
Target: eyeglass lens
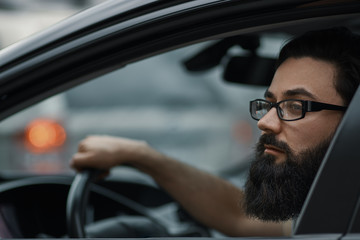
x=259 y=109
x=287 y=110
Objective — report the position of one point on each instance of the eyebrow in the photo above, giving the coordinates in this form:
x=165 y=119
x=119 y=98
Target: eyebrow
x=291 y=93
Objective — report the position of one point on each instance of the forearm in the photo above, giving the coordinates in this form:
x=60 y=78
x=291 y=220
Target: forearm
x=211 y=200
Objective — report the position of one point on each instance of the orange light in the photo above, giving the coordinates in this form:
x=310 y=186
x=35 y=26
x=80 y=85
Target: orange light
x=44 y=135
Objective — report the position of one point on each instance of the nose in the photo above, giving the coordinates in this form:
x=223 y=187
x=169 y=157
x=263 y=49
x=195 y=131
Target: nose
x=270 y=123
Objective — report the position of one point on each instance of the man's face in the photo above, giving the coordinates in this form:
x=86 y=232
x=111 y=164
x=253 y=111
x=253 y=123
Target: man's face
x=305 y=79
x=289 y=152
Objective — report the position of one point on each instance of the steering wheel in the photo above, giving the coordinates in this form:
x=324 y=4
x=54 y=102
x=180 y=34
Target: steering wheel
x=77 y=202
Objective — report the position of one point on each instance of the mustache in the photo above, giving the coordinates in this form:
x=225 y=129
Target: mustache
x=270 y=139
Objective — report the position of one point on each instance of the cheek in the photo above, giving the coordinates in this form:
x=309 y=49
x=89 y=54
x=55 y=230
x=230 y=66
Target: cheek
x=310 y=133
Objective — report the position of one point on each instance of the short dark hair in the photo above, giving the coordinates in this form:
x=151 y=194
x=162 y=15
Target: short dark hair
x=338 y=46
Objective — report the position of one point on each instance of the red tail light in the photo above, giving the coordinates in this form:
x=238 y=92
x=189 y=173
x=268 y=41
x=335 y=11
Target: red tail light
x=44 y=135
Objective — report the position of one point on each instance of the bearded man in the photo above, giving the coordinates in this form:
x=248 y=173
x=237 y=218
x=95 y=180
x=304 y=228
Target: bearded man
x=316 y=78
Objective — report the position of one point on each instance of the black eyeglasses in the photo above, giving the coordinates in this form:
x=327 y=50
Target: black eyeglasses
x=290 y=109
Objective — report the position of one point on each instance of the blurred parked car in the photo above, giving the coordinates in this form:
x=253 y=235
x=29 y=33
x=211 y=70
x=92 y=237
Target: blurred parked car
x=178 y=74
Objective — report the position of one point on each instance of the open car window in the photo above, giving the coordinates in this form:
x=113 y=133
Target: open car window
x=195 y=116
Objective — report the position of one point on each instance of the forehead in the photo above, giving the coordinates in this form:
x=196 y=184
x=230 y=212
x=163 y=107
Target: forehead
x=304 y=78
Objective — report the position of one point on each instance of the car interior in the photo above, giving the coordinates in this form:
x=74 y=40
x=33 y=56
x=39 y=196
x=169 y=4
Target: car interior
x=194 y=108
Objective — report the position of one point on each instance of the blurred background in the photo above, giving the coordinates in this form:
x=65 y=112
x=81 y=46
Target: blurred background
x=194 y=116
x=21 y=18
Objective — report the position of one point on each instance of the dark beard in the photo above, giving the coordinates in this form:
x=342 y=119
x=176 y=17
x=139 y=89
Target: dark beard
x=277 y=191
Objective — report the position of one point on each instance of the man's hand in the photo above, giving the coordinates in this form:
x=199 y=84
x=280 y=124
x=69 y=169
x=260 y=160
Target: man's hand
x=105 y=152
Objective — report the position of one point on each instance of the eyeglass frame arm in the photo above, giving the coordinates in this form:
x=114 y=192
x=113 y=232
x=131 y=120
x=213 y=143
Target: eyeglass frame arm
x=312 y=106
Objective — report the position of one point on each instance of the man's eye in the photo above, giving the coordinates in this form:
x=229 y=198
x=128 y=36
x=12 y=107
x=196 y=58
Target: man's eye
x=294 y=107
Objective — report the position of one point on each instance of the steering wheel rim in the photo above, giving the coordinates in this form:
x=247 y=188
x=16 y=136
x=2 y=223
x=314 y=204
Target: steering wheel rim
x=78 y=198
x=76 y=202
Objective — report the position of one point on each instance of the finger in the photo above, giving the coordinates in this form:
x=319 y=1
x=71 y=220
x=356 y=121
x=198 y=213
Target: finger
x=82 y=160
x=82 y=146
